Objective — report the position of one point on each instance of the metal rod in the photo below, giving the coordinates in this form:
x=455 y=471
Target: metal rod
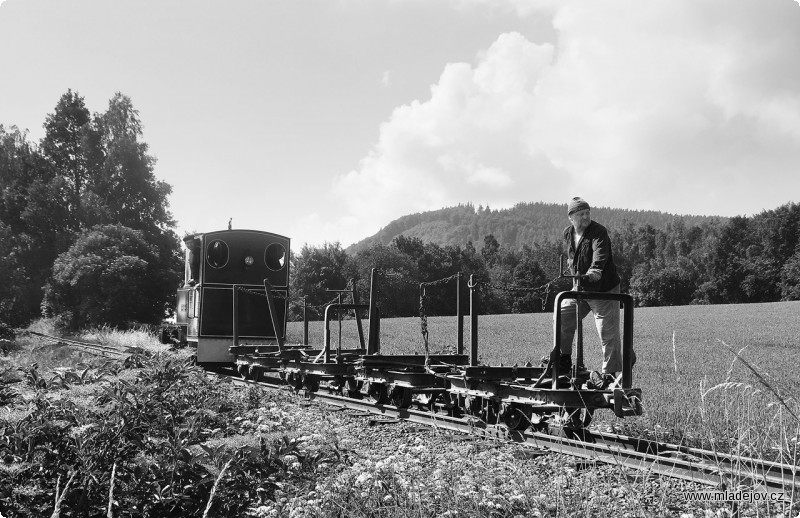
x=555 y=353
x=235 y=329
x=305 y=320
x=474 y=307
x=327 y=336
x=627 y=336
x=579 y=324
x=627 y=343
x=459 y=316
x=358 y=316
x=273 y=315
x=373 y=345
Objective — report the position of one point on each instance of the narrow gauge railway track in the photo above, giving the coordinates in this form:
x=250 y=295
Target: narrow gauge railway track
x=691 y=464
x=651 y=457
x=106 y=351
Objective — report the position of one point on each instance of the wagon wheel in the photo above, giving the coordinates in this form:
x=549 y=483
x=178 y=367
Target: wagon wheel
x=282 y=375
x=514 y=417
x=353 y=387
x=491 y=412
x=311 y=382
x=539 y=423
x=244 y=371
x=473 y=405
x=295 y=380
x=452 y=406
x=428 y=401
x=401 y=396
x=336 y=385
x=577 y=418
x=255 y=373
x=377 y=393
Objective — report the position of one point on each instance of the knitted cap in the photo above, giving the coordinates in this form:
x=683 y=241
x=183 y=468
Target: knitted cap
x=577 y=204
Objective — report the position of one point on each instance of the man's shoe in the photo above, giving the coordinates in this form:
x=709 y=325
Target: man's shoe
x=599 y=381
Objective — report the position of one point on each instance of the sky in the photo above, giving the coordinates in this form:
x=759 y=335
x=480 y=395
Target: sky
x=324 y=120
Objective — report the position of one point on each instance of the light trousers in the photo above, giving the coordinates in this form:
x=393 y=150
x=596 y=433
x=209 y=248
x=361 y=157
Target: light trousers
x=606 y=319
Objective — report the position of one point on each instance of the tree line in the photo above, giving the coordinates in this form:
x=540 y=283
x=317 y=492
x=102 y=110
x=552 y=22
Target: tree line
x=86 y=236
x=514 y=227
x=737 y=260
x=85 y=231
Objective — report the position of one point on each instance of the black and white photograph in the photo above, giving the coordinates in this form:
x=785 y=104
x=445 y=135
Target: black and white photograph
x=399 y=258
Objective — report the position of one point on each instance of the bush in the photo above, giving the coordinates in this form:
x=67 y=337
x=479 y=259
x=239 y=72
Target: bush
x=155 y=432
x=111 y=275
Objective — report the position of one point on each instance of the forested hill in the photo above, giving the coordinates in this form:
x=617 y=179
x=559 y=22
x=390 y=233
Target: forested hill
x=525 y=223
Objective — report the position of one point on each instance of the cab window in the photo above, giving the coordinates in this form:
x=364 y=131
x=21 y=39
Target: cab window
x=217 y=254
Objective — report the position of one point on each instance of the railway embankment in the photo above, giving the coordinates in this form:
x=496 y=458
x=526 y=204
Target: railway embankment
x=151 y=435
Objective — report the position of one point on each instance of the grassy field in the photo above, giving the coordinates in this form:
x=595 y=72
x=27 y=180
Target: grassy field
x=722 y=376
x=713 y=376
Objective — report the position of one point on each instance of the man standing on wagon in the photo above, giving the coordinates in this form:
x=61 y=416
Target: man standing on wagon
x=589 y=254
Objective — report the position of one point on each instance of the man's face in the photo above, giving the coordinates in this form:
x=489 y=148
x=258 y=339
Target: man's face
x=580 y=220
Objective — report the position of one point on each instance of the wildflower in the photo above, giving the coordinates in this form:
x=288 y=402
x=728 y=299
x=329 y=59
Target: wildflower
x=363 y=479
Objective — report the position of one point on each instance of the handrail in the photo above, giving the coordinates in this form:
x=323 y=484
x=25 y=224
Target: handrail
x=336 y=306
x=627 y=335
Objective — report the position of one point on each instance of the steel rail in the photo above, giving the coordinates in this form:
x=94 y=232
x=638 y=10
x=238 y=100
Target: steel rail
x=106 y=351
x=765 y=472
x=652 y=457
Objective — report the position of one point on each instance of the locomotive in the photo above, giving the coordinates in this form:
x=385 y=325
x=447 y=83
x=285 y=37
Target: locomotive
x=232 y=307
x=217 y=265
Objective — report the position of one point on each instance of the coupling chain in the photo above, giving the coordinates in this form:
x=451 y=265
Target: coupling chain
x=542 y=291
x=396 y=277
x=439 y=282
x=411 y=282
x=275 y=293
x=320 y=307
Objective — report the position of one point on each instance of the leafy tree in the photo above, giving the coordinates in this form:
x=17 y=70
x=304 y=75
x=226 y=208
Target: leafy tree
x=63 y=146
x=85 y=172
x=11 y=278
x=398 y=291
x=435 y=263
x=111 y=275
x=790 y=278
x=491 y=250
x=126 y=191
x=527 y=274
x=34 y=217
x=317 y=269
x=657 y=284
x=413 y=247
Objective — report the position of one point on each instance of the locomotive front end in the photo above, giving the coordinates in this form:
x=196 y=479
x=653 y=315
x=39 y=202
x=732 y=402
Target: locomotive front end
x=217 y=264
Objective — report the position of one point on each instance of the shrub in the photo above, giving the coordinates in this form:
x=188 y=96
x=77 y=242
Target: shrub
x=111 y=275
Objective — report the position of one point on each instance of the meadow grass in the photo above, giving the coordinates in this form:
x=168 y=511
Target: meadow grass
x=713 y=376
x=720 y=377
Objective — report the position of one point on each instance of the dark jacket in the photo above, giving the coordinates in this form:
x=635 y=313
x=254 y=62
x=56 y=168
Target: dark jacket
x=592 y=253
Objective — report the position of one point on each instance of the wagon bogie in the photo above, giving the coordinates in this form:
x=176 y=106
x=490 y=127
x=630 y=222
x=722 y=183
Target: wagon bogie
x=516 y=417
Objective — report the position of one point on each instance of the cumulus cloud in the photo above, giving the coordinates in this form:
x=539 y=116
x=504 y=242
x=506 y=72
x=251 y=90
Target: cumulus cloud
x=464 y=140
x=681 y=106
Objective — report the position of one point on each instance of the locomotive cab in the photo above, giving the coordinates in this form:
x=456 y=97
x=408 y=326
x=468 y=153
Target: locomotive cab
x=217 y=266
